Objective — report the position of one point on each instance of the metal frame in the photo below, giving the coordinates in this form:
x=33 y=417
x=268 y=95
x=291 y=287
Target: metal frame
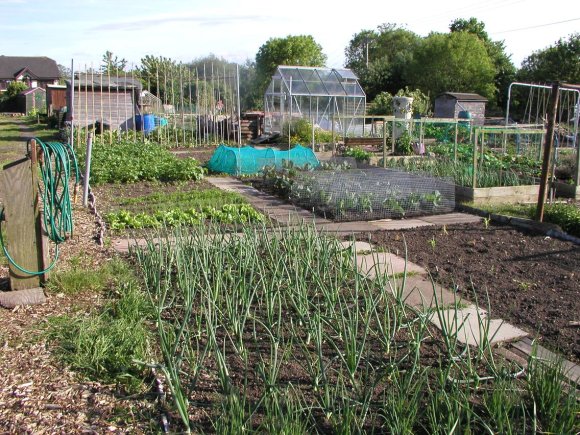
x=313 y=98
x=576 y=118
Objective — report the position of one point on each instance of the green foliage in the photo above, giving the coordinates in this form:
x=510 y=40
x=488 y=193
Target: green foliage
x=358 y=153
x=301 y=133
x=559 y=62
x=390 y=49
x=461 y=172
x=403 y=144
x=381 y=105
x=155 y=74
x=557 y=408
x=103 y=346
x=227 y=214
x=458 y=61
x=300 y=50
x=127 y=162
x=505 y=71
x=567 y=216
x=383 y=102
x=112 y=65
x=13 y=89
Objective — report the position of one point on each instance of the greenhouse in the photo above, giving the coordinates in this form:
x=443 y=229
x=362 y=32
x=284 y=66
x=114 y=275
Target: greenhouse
x=327 y=98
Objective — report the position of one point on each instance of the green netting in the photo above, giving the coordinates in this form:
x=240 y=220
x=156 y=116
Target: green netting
x=249 y=160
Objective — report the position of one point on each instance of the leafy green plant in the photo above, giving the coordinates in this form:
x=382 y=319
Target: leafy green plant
x=358 y=153
x=403 y=144
x=227 y=214
x=300 y=132
x=128 y=162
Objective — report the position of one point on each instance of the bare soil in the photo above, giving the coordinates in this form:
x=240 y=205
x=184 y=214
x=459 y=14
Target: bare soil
x=530 y=280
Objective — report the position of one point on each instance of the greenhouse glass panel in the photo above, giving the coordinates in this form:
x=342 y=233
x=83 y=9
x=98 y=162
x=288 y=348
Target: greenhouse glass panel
x=326 y=97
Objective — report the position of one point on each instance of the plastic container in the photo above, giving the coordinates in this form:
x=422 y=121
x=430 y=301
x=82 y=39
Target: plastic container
x=145 y=123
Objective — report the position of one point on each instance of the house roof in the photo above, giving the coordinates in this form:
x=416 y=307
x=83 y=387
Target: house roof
x=32 y=91
x=98 y=81
x=459 y=96
x=41 y=67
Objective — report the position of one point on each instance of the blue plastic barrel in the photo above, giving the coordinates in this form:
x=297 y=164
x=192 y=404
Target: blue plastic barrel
x=464 y=114
x=145 y=123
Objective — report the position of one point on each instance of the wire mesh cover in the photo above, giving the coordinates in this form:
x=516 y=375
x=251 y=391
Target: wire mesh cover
x=249 y=160
x=375 y=193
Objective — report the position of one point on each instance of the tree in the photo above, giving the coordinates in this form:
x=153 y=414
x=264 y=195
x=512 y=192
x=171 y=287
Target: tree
x=559 y=62
x=157 y=75
x=380 y=58
x=300 y=50
x=505 y=71
x=456 y=62
x=13 y=89
x=112 y=65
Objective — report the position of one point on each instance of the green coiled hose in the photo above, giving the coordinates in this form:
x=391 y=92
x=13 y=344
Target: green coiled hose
x=56 y=161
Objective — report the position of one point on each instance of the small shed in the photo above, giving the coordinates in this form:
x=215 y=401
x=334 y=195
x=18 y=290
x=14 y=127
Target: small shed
x=450 y=104
x=105 y=100
x=31 y=99
x=55 y=98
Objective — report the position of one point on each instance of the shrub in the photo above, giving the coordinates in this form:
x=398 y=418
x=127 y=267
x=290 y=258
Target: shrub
x=358 y=153
x=567 y=216
x=403 y=144
x=301 y=133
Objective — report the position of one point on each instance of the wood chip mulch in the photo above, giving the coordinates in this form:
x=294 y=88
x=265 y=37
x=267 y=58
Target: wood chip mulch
x=38 y=394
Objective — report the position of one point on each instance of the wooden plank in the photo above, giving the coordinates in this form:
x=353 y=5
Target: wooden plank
x=21 y=212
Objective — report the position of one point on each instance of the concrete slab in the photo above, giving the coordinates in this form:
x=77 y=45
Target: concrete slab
x=359 y=247
x=452 y=218
x=347 y=227
x=397 y=224
x=420 y=292
x=385 y=263
x=471 y=328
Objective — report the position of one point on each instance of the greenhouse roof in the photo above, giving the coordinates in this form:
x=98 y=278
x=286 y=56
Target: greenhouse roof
x=315 y=81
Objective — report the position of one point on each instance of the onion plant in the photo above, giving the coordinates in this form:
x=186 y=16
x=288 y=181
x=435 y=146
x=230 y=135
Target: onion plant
x=266 y=311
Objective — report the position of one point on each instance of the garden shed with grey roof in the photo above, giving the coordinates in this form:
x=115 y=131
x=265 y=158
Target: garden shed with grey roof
x=452 y=104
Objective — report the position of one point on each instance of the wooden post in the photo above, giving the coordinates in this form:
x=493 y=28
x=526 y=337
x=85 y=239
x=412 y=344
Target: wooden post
x=475 y=159
x=384 y=142
x=455 y=142
x=24 y=234
x=549 y=141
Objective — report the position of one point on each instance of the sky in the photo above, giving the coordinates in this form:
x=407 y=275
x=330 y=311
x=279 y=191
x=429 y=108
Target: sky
x=235 y=29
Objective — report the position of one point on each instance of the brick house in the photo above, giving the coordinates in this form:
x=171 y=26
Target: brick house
x=36 y=72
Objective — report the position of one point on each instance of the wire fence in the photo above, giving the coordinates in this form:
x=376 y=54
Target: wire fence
x=172 y=104
x=374 y=193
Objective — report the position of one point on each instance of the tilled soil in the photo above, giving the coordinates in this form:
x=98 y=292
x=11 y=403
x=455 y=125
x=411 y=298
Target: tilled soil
x=530 y=280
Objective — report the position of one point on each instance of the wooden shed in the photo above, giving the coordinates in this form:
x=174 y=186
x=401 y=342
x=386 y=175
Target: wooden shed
x=55 y=98
x=450 y=104
x=100 y=99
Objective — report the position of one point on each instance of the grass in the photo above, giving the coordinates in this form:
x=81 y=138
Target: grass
x=12 y=144
x=104 y=344
x=567 y=216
